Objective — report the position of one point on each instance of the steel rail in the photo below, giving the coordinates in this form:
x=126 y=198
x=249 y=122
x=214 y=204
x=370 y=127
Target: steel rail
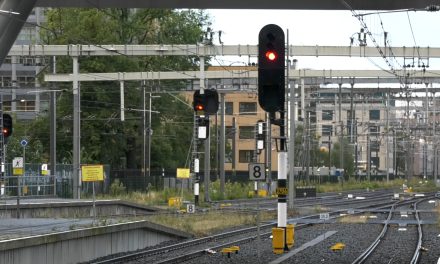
x=367 y=253
x=376 y=242
x=416 y=255
x=184 y=244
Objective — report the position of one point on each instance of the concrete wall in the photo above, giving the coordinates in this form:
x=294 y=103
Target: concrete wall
x=86 y=244
x=74 y=209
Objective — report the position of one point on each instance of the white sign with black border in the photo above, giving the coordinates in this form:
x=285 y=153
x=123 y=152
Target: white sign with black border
x=257 y=172
x=190 y=208
x=324 y=216
x=17 y=162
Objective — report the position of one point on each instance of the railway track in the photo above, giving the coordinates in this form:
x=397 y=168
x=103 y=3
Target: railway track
x=186 y=250
x=397 y=239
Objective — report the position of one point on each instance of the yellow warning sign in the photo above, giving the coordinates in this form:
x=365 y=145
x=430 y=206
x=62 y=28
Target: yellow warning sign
x=17 y=171
x=182 y=173
x=44 y=170
x=92 y=173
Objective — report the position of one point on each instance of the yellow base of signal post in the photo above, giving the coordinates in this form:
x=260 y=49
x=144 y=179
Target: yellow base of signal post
x=282 y=237
x=278 y=240
x=290 y=235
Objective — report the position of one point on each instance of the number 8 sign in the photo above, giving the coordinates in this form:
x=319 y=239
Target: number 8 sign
x=257 y=172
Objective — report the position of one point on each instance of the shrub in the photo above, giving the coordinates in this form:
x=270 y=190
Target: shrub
x=233 y=190
x=117 y=188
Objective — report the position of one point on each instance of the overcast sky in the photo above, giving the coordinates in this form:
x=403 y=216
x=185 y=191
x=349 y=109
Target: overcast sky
x=329 y=28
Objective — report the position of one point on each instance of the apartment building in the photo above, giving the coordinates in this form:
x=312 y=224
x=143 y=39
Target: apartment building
x=242 y=113
x=360 y=119
x=18 y=81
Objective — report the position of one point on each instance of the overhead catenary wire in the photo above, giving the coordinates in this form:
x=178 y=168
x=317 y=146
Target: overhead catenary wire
x=402 y=79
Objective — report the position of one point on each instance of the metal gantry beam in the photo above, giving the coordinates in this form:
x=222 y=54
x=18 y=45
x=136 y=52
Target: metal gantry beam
x=215 y=50
x=375 y=76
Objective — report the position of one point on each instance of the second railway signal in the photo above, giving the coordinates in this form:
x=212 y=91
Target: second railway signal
x=271 y=75
x=206 y=103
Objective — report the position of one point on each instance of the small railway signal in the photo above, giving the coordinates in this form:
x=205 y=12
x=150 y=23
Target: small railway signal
x=206 y=102
x=7 y=125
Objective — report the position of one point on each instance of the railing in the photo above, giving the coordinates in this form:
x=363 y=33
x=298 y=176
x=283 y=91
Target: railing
x=27 y=186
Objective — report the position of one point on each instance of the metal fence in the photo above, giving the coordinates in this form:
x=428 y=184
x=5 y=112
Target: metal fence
x=34 y=184
x=30 y=182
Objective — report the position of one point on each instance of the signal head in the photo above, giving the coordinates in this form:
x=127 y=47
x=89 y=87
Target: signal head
x=7 y=125
x=271 y=68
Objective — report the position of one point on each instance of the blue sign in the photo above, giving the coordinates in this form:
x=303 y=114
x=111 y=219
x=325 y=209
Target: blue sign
x=24 y=143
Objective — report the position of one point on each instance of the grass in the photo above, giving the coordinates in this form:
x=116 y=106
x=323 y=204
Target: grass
x=236 y=190
x=209 y=222
x=150 y=198
x=203 y=224
x=416 y=184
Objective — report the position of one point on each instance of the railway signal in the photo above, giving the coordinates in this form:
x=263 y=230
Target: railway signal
x=7 y=125
x=271 y=90
x=198 y=102
x=206 y=102
x=271 y=75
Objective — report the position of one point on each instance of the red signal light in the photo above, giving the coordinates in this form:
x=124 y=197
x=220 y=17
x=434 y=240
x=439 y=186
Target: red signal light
x=271 y=55
x=199 y=107
x=5 y=132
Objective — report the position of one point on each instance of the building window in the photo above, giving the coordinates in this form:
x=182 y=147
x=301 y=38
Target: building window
x=374 y=114
x=229 y=132
x=245 y=156
x=327 y=114
x=229 y=108
x=375 y=163
x=25 y=106
x=374 y=130
x=228 y=153
x=375 y=146
x=248 y=108
x=6 y=81
x=327 y=130
x=349 y=117
x=247 y=132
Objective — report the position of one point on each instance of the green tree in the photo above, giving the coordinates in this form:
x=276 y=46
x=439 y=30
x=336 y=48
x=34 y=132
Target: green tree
x=319 y=157
x=348 y=154
x=34 y=150
x=104 y=138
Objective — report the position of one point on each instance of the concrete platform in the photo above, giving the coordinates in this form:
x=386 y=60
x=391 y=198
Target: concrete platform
x=69 y=208
x=64 y=231
x=85 y=244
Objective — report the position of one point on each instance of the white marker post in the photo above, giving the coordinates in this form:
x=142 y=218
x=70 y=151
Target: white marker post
x=282 y=199
x=196 y=181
